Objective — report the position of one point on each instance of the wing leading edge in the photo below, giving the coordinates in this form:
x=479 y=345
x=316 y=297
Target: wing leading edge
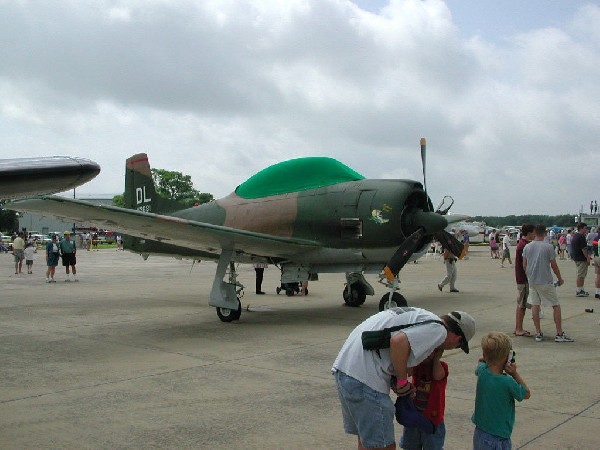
x=166 y=229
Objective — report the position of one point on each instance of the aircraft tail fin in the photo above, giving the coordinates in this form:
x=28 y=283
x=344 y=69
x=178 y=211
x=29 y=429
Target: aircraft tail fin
x=140 y=191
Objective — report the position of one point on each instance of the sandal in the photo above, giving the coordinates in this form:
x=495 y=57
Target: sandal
x=525 y=333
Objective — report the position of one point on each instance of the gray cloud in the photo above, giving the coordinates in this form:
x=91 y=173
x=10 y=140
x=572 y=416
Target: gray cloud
x=220 y=90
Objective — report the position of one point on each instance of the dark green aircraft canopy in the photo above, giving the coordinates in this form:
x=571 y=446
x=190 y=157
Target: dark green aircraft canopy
x=296 y=175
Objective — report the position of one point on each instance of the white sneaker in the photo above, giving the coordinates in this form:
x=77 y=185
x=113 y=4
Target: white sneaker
x=539 y=337
x=563 y=338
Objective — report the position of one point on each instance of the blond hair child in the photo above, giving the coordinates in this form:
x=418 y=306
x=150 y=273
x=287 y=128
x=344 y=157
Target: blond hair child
x=498 y=386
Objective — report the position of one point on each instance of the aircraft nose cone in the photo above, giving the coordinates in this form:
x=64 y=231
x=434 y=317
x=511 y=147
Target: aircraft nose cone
x=430 y=221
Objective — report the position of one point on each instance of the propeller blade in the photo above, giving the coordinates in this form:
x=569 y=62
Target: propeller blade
x=403 y=254
x=424 y=223
x=424 y=162
x=451 y=243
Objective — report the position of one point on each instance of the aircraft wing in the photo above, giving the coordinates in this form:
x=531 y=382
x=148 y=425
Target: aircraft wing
x=21 y=177
x=453 y=218
x=166 y=229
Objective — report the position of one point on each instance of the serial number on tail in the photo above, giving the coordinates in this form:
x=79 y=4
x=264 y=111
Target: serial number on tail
x=141 y=198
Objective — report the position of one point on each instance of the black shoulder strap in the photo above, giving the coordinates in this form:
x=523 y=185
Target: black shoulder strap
x=408 y=325
x=379 y=339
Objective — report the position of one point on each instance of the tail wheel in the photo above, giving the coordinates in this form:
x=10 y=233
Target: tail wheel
x=356 y=296
x=229 y=315
x=396 y=300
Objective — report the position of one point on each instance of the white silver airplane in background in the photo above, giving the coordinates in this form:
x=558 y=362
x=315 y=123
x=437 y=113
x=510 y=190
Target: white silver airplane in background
x=476 y=230
x=24 y=177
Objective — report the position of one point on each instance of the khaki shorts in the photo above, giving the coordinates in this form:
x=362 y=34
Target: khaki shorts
x=19 y=255
x=582 y=268
x=523 y=294
x=543 y=293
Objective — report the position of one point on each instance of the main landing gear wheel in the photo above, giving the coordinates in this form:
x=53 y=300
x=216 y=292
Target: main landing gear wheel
x=356 y=296
x=397 y=300
x=229 y=315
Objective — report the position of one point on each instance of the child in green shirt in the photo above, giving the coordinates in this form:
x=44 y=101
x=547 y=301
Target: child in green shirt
x=498 y=386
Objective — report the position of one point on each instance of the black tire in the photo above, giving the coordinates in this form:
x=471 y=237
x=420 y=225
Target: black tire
x=229 y=315
x=396 y=300
x=290 y=292
x=356 y=297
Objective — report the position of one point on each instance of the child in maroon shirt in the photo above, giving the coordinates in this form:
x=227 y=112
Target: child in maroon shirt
x=430 y=379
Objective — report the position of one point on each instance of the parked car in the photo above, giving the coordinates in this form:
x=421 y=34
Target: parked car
x=40 y=240
x=5 y=243
x=106 y=239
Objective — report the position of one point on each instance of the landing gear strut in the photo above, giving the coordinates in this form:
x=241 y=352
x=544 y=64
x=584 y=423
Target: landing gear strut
x=392 y=298
x=225 y=296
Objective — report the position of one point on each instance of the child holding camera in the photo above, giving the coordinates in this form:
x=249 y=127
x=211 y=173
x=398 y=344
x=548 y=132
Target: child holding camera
x=498 y=386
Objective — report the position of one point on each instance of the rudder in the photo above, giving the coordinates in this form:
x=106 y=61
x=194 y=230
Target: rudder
x=140 y=191
x=140 y=194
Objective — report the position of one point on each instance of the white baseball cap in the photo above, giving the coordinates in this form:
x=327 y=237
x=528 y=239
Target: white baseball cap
x=466 y=323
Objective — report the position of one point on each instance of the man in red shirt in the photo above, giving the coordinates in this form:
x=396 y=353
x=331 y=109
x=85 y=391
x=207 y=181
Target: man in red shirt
x=527 y=235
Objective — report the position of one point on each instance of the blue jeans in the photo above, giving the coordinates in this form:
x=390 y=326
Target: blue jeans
x=487 y=441
x=415 y=439
x=367 y=413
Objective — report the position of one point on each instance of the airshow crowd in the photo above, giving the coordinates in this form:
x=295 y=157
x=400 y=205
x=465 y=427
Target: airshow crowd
x=59 y=249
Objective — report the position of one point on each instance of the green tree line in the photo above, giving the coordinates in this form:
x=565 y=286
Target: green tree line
x=8 y=219
x=175 y=186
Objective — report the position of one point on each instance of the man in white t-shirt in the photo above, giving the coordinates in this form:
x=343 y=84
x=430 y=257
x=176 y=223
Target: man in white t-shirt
x=506 y=249
x=364 y=377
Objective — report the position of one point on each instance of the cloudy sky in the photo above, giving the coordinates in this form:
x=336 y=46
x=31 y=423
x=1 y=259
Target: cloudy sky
x=506 y=93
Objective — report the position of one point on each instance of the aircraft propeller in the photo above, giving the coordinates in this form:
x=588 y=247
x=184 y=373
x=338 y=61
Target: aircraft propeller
x=426 y=223
x=423 y=161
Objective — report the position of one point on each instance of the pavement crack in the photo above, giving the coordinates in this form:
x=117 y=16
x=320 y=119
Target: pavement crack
x=571 y=417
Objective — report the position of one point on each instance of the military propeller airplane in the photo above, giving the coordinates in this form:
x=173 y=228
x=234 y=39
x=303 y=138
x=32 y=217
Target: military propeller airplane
x=22 y=177
x=329 y=220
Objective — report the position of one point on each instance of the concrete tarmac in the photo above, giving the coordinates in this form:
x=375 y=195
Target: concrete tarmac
x=132 y=357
